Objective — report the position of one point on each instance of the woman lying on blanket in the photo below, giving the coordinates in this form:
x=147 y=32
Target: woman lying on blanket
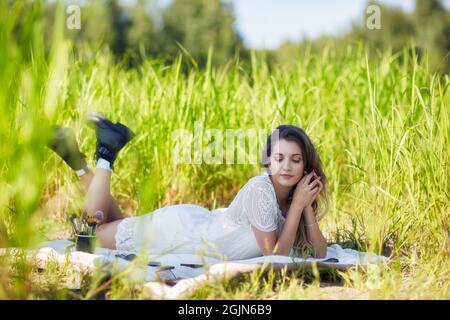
x=275 y=213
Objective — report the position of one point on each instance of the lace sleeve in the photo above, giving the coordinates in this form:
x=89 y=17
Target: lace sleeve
x=260 y=207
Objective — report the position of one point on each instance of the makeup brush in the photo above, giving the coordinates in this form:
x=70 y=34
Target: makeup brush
x=94 y=228
x=73 y=221
x=97 y=217
x=83 y=226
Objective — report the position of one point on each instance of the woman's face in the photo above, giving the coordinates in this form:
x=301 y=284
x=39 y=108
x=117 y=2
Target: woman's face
x=286 y=163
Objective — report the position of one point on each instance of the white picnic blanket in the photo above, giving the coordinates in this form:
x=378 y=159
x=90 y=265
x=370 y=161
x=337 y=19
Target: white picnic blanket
x=187 y=277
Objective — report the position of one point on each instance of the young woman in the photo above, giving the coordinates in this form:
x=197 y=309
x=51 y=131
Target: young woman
x=275 y=213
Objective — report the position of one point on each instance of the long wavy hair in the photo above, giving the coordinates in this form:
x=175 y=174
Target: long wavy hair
x=302 y=247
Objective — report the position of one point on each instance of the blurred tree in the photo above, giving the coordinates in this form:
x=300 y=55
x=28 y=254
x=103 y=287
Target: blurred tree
x=197 y=25
x=141 y=33
x=193 y=26
x=120 y=23
x=428 y=28
x=104 y=23
x=97 y=25
x=432 y=27
x=288 y=51
x=397 y=29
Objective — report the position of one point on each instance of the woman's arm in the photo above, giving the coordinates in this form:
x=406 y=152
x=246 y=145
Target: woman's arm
x=314 y=234
x=268 y=240
x=288 y=233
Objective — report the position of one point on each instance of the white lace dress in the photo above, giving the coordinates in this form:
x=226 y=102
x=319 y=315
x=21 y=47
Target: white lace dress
x=225 y=233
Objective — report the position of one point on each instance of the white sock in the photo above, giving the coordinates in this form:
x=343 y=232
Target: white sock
x=103 y=164
x=82 y=172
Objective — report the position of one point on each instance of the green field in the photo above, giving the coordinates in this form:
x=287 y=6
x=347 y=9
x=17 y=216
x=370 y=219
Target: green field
x=380 y=120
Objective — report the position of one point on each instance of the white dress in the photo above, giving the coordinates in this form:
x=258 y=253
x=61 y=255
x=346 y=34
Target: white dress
x=225 y=233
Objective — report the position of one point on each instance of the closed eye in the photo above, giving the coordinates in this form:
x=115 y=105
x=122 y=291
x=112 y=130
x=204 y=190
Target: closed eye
x=296 y=161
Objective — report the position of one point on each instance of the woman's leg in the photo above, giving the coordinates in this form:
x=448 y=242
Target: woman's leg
x=65 y=145
x=113 y=213
x=98 y=197
x=111 y=138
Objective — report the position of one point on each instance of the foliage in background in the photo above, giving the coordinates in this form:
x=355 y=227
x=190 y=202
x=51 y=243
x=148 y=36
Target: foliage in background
x=138 y=28
x=426 y=30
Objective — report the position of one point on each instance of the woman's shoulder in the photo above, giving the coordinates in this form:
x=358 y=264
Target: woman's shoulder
x=262 y=179
x=260 y=182
x=257 y=187
x=258 y=195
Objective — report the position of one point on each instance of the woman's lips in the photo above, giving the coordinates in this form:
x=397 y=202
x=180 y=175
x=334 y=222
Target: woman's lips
x=286 y=176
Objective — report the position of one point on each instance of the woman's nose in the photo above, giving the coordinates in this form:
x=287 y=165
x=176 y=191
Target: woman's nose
x=286 y=165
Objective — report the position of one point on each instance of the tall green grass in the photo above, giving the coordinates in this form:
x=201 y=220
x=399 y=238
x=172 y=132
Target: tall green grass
x=380 y=121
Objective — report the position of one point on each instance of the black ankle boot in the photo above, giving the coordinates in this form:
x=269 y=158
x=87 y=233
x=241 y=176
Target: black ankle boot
x=111 y=137
x=65 y=145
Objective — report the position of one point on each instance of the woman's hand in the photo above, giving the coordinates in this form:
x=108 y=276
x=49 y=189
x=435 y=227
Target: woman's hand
x=306 y=191
x=319 y=181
